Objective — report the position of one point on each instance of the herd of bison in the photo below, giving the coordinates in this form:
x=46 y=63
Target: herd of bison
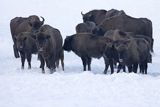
x=123 y=41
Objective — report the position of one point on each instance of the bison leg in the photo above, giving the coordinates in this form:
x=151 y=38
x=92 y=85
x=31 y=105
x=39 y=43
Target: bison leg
x=119 y=68
x=62 y=63
x=111 y=65
x=129 y=68
x=106 y=65
x=145 y=68
x=29 y=56
x=152 y=45
x=124 y=68
x=16 y=54
x=22 y=59
x=141 y=68
x=42 y=63
x=57 y=63
x=84 y=63
x=52 y=70
x=135 y=66
x=114 y=64
x=89 y=63
x=106 y=68
x=52 y=64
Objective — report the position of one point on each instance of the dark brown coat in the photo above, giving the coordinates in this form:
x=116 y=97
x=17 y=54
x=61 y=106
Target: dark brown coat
x=26 y=45
x=133 y=52
x=139 y=26
x=50 y=49
x=87 y=46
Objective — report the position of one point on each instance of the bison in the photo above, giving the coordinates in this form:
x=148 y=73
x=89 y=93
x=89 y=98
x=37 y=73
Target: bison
x=87 y=46
x=133 y=52
x=49 y=43
x=23 y=24
x=123 y=22
x=120 y=35
x=26 y=45
x=144 y=54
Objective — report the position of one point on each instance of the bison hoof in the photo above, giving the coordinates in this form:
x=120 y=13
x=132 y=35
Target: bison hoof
x=105 y=72
x=17 y=56
x=52 y=70
x=43 y=72
x=22 y=67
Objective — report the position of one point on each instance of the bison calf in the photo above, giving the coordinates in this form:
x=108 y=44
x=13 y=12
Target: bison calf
x=26 y=45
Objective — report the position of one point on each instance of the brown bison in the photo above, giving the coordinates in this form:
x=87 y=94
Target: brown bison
x=139 y=26
x=26 y=45
x=24 y=24
x=49 y=42
x=122 y=37
x=133 y=52
x=87 y=46
x=144 y=54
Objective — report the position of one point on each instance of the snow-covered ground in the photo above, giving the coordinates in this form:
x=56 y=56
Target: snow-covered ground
x=73 y=87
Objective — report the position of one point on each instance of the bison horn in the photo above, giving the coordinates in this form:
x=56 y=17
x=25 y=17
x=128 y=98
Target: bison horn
x=42 y=22
x=82 y=13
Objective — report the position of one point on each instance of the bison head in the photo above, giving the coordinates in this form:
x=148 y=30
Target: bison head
x=35 y=22
x=87 y=17
x=122 y=47
x=68 y=43
x=20 y=41
x=43 y=43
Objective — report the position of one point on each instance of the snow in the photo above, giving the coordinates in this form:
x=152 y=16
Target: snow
x=73 y=87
